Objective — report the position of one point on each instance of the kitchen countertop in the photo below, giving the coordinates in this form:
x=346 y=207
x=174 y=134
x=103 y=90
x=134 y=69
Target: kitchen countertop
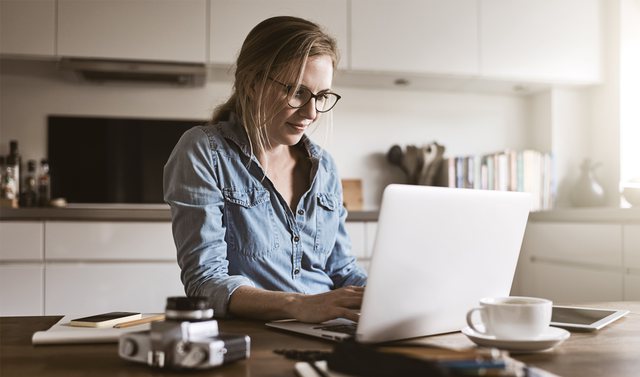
x=161 y=212
x=119 y=212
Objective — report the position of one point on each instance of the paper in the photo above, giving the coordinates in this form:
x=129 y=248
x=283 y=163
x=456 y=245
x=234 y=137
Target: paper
x=63 y=333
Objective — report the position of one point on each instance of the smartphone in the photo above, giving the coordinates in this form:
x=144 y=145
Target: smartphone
x=105 y=319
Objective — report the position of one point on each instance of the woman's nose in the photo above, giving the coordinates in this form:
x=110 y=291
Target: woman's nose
x=309 y=111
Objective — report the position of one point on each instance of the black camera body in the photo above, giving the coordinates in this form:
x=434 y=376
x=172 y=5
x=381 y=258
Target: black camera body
x=187 y=339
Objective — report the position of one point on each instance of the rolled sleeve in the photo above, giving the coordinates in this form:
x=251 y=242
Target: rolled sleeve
x=197 y=206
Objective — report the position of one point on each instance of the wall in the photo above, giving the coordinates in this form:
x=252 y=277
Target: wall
x=366 y=122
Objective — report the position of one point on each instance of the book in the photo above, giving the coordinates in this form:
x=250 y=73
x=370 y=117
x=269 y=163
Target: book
x=63 y=333
x=509 y=170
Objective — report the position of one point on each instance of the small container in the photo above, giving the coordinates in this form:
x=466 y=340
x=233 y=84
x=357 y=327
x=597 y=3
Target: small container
x=631 y=191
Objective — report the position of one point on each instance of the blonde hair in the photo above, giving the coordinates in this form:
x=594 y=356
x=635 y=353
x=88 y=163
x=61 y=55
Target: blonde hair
x=277 y=48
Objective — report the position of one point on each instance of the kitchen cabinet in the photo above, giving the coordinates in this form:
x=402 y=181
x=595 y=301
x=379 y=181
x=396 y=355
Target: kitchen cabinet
x=573 y=283
x=65 y=267
x=89 y=288
x=161 y=30
x=27 y=27
x=632 y=287
x=105 y=240
x=21 y=241
x=97 y=266
x=82 y=267
x=574 y=262
x=631 y=247
x=421 y=36
x=21 y=268
x=543 y=40
x=231 y=21
x=362 y=234
x=587 y=244
x=21 y=289
x=547 y=41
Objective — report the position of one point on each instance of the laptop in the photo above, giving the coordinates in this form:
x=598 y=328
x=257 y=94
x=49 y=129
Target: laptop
x=437 y=252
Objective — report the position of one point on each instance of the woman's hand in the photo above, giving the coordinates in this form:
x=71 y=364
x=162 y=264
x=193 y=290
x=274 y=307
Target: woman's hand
x=258 y=303
x=343 y=302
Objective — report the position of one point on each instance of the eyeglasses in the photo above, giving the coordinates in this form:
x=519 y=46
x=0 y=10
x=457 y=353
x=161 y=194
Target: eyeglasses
x=325 y=101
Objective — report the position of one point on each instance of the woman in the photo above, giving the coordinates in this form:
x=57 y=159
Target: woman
x=256 y=206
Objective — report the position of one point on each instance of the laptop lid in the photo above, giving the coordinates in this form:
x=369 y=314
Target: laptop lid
x=437 y=252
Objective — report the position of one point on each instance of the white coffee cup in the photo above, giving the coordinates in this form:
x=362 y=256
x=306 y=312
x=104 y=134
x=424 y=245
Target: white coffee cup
x=513 y=317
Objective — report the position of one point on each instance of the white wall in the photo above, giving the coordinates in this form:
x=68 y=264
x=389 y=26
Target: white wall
x=367 y=122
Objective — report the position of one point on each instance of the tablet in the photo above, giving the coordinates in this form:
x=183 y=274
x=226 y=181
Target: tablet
x=585 y=319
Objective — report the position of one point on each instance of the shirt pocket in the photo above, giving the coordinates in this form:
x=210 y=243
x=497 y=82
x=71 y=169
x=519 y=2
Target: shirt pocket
x=327 y=222
x=250 y=222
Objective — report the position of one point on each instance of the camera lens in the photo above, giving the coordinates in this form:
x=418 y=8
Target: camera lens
x=188 y=309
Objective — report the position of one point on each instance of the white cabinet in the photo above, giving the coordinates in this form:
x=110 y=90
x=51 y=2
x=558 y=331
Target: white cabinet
x=21 y=241
x=542 y=40
x=362 y=234
x=587 y=244
x=89 y=288
x=21 y=268
x=27 y=27
x=124 y=241
x=96 y=266
x=631 y=247
x=632 y=287
x=231 y=21
x=21 y=289
x=574 y=262
x=356 y=231
x=568 y=283
x=84 y=267
x=423 y=36
x=166 y=30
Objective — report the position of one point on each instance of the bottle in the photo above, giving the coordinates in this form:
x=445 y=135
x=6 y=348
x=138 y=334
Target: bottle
x=3 y=173
x=14 y=161
x=29 y=195
x=2 y=168
x=8 y=184
x=44 y=184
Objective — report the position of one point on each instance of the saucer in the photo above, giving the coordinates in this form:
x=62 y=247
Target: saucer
x=552 y=337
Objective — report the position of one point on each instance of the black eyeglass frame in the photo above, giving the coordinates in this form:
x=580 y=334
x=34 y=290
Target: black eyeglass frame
x=314 y=96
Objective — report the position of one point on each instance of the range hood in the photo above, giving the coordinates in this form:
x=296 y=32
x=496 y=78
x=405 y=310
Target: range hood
x=182 y=74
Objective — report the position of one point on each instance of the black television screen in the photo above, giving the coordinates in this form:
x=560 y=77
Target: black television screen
x=111 y=160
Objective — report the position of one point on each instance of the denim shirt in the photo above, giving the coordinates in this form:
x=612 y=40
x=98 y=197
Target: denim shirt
x=232 y=228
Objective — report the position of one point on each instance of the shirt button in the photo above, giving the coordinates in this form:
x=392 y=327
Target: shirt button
x=301 y=212
x=296 y=238
x=297 y=271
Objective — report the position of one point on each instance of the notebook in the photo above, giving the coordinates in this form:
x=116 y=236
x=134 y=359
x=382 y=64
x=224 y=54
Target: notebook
x=63 y=333
x=437 y=252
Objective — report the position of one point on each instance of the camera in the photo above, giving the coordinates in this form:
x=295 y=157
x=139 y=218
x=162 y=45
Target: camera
x=188 y=338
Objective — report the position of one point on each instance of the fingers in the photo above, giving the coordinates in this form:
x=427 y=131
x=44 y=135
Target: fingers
x=350 y=314
x=343 y=302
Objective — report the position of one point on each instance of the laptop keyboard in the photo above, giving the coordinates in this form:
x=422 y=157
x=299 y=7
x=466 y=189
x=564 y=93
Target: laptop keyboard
x=349 y=329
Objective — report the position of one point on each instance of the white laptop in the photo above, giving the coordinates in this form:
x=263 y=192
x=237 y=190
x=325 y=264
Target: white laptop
x=437 y=252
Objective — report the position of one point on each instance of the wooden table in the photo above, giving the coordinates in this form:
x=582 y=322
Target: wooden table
x=612 y=351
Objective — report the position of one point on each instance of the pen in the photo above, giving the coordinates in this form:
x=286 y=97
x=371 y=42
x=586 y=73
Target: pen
x=141 y=321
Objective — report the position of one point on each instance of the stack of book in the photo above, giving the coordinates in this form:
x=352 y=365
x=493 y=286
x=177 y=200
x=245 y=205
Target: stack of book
x=526 y=171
